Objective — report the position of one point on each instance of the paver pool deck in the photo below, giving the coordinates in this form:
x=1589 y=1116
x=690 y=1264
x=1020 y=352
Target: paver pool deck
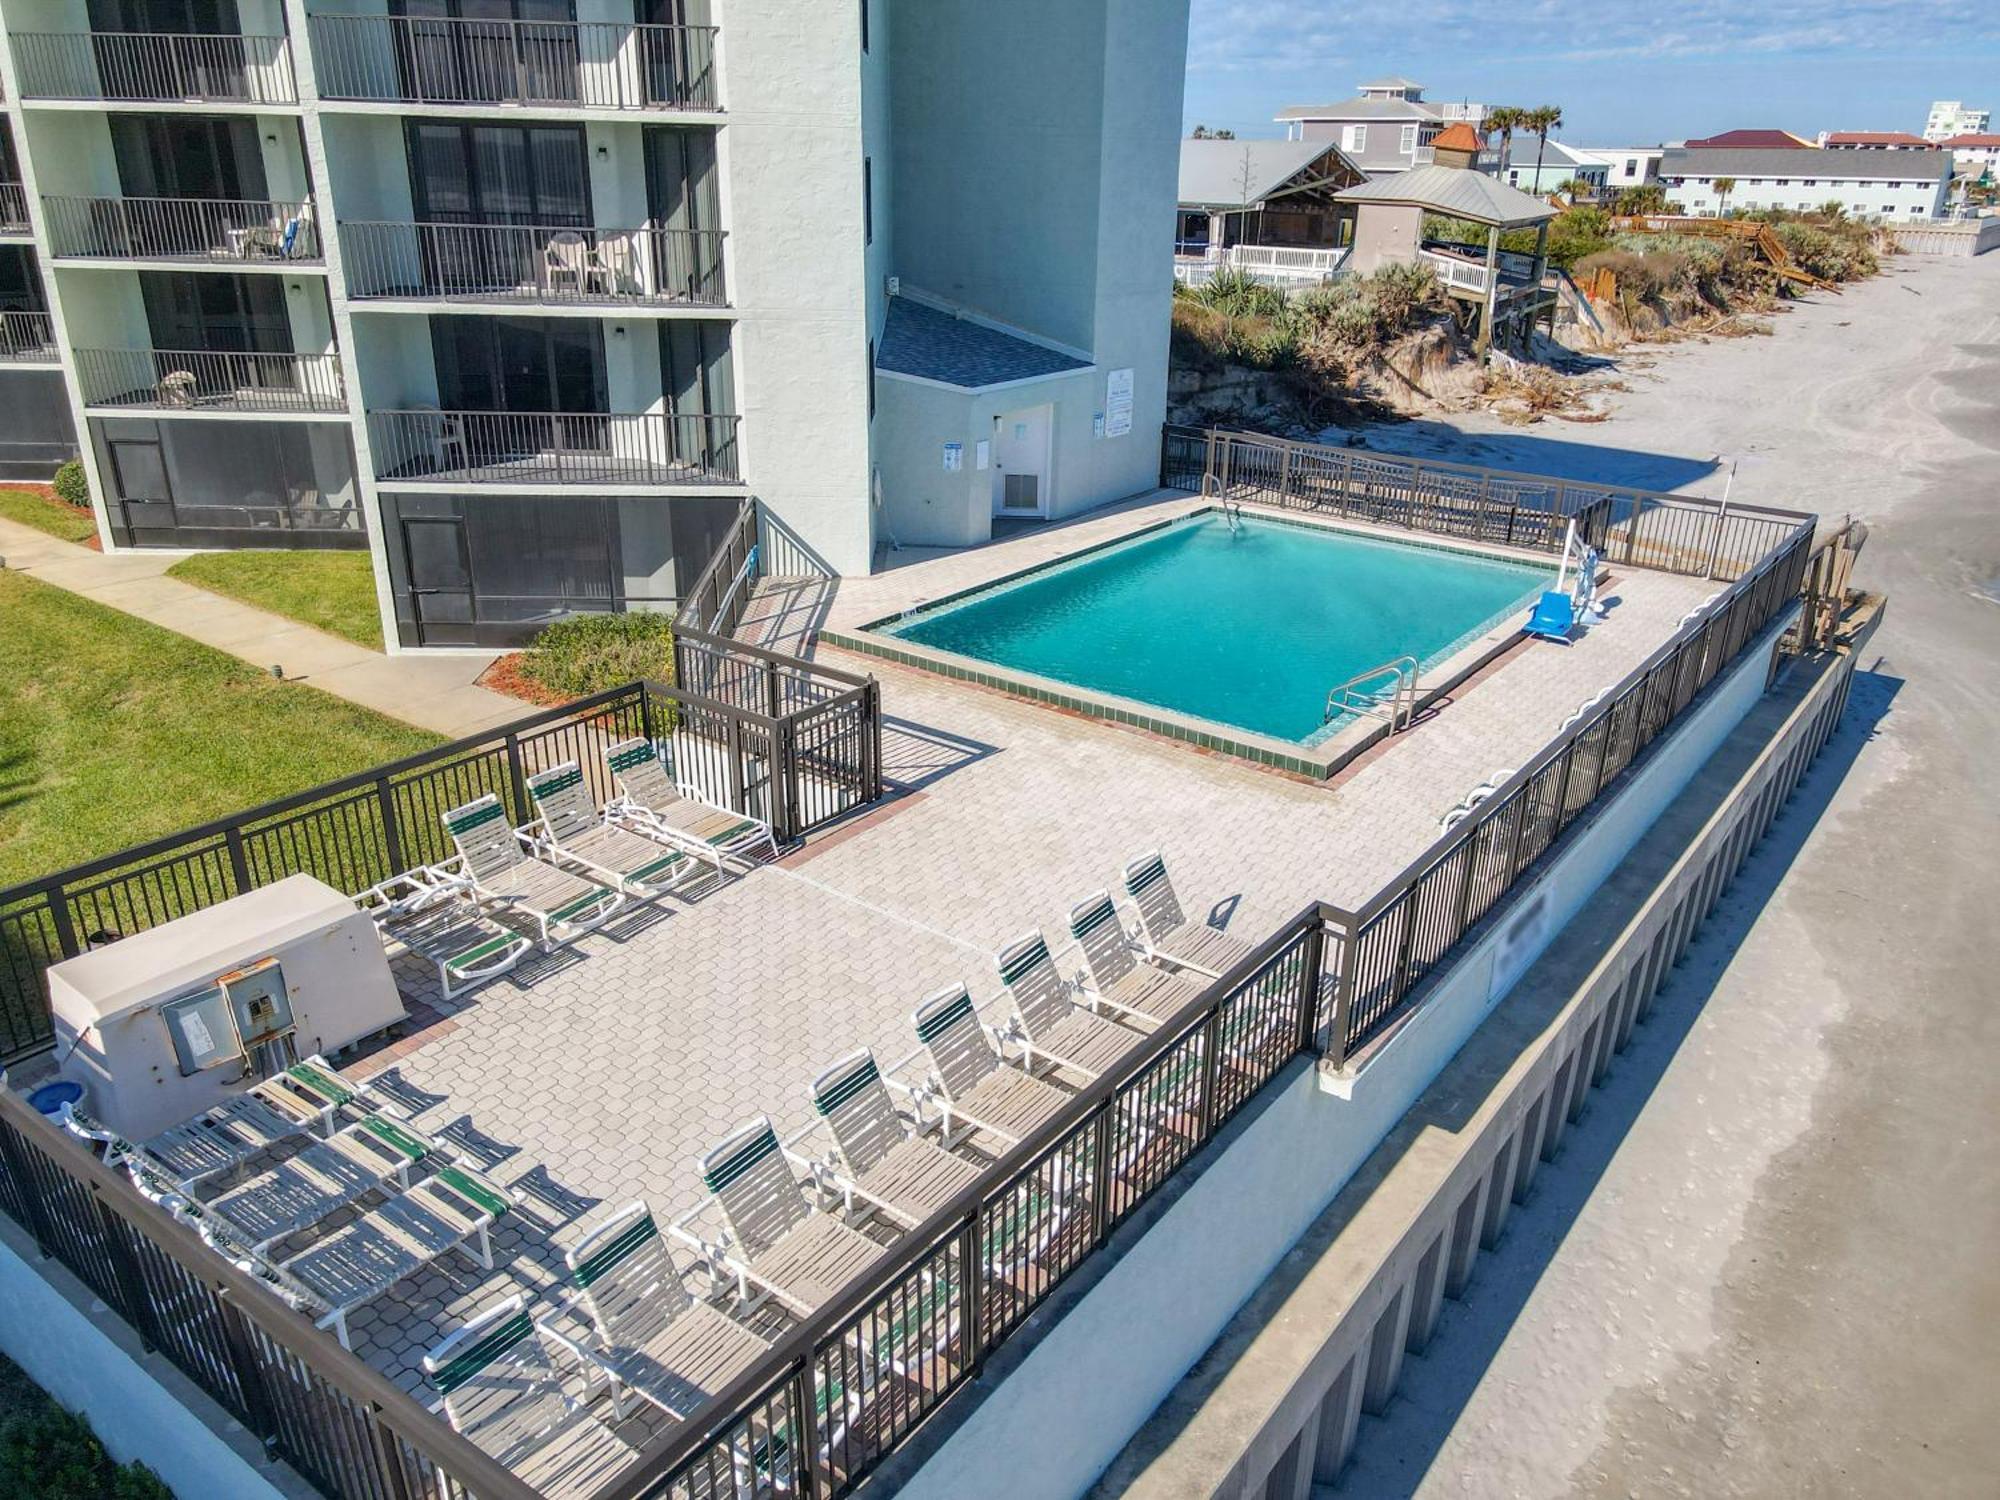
x=601 y=1074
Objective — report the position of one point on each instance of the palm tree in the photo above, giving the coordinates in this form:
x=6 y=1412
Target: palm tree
x=1542 y=119
x=1505 y=118
x=1724 y=186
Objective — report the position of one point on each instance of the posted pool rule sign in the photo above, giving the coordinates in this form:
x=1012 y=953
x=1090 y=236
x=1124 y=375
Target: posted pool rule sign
x=1118 y=403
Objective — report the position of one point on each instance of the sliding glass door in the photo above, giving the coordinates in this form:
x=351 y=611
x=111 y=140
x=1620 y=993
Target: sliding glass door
x=482 y=175
x=488 y=51
x=541 y=382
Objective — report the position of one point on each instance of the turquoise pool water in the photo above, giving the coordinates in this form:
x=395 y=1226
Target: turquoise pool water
x=1249 y=629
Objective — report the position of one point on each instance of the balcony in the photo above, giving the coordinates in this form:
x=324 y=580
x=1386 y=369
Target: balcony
x=1273 y=265
x=515 y=264
x=550 y=64
x=212 y=231
x=27 y=338
x=1463 y=268
x=13 y=208
x=161 y=67
x=188 y=380
x=551 y=448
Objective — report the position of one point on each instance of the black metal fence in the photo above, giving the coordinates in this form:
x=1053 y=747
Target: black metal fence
x=847 y=1386
x=1644 y=528
x=314 y=1405
x=815 y=759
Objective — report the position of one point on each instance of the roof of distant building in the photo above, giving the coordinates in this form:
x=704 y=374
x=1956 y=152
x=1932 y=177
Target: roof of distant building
x=1236 y=174
x=1751 y=140
x=1877 y=138
x=1361 y=109
x=1971 y=142
x=1457 y=192
x=1557 y=154
x=924 y=341
x=1823 y=166
x=1396 y=81
x=1459 y=136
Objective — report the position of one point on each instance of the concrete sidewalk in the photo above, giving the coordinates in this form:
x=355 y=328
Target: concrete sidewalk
x=438 y=693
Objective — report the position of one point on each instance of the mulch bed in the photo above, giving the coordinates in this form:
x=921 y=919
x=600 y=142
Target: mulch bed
x=506 y=676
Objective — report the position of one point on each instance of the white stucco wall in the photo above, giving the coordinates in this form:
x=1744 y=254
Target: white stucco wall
x=1100 y=1371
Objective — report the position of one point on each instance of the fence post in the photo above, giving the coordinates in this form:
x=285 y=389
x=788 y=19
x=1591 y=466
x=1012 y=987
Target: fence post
x=1343 y=992
x=517 y=780
x=239 y=863
x=65 y=925
x=808 y=1426
x=1100 y=1173
x=972 y=1257
x=1285 y=475
x=1310 y=959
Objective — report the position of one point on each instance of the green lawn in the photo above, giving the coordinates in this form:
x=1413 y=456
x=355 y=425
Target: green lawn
x=45 y=514
x=332 y=591
x=113 y=731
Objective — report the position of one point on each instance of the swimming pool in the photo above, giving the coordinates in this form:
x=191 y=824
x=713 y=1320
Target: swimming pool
x=1247 y=627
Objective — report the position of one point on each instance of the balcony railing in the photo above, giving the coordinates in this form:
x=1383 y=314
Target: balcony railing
x=516 y=263
x=13 y=208
x=210 y=380
x=228 y=231
x=586 y=64
x=505 y=447
x=27 y=338
x=157 y=66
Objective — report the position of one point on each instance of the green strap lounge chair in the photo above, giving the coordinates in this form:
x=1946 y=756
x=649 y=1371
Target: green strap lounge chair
x=777 y=1242
x=971 y=1082
x=642 y=1329
x=221 y=1138
x=1050 y=1027
x=500 y=1391
x=327 y=1176
x=434 y=915
x=556 y=900
x=571 y=829
x=879 y=1162
x=1166 y=934
x=1138 y=993
x=452 y=1209
x=649 y=801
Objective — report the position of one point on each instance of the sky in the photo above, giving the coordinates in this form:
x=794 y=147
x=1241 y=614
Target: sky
x=1625 y=75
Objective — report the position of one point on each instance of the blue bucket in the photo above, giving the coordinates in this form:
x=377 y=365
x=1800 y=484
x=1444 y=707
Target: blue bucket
x=51 y=1097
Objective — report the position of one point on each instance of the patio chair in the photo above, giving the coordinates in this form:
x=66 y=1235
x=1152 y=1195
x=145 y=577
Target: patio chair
x=572 y=829
x=646 y=1333
x=1147 y=994
x=1554 y=617
x=450 y=1210
x=501 y=870
x=433 y=915
x=1048 y=1025
x=970 y=1080
x=776 y=1241
x=571 y=261
x=1165 y=933
x=311 y=1092
x=880 y=1161
x=175 y=388
x=649 y=801
x=221 y=1138
x=322 y=1179
x=500 y=1391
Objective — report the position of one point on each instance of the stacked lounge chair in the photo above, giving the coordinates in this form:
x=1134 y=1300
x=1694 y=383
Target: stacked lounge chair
x=571 y=829
x=500 y=869
x=649 y=801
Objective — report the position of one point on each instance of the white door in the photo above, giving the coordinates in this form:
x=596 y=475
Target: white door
x=1021 y=478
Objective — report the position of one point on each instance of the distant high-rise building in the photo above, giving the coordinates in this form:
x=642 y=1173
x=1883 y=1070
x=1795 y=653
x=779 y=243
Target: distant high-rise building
x=1949 y=117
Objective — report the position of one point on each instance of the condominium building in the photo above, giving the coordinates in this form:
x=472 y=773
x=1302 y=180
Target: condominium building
x=527 y=299
x=1949 y=117
x=1900 y=186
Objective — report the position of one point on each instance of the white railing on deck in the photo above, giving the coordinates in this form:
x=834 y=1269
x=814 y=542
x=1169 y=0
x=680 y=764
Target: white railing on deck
x=1273 y=264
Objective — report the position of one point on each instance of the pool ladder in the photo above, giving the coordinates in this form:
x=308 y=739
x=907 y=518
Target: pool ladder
x=1393 y=700
x=1232 y=510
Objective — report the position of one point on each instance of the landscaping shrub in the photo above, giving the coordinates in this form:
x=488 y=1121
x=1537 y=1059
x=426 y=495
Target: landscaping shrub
x=588 y=654
x=1237 y=294
x=1838 y=254
x=71 y=485
x=52 y=1454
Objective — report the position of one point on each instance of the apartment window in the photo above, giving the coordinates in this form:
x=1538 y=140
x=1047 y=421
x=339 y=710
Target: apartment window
x=1408 y=144
x=1895 y=186
x=1783 y=182
x=1812 y=182
x=1888 y=208
x=1631 y=166
x=867 y=200
x=1356 y=139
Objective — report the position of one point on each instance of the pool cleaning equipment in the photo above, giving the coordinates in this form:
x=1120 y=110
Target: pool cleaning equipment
x=162 y=1025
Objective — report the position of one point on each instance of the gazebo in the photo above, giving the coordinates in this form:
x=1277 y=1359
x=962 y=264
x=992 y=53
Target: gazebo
x=1389 y=227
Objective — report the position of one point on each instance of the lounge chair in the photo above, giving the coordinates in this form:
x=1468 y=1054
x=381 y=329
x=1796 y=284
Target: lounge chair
x=312 y=1092
x=1165 y=933
x=500 y=1391
x=970 y=1081
x=220 y=1138
x=449 y=1210
x=644 y=1332
x=776 y=1241
x=1132 y=990
x=500 y=870
x=325 y=1177
x=432 y=914
x=879 y=1161
x=572 y=829
x=1554 y=617
x=649 y=801
x=1049 y=1026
